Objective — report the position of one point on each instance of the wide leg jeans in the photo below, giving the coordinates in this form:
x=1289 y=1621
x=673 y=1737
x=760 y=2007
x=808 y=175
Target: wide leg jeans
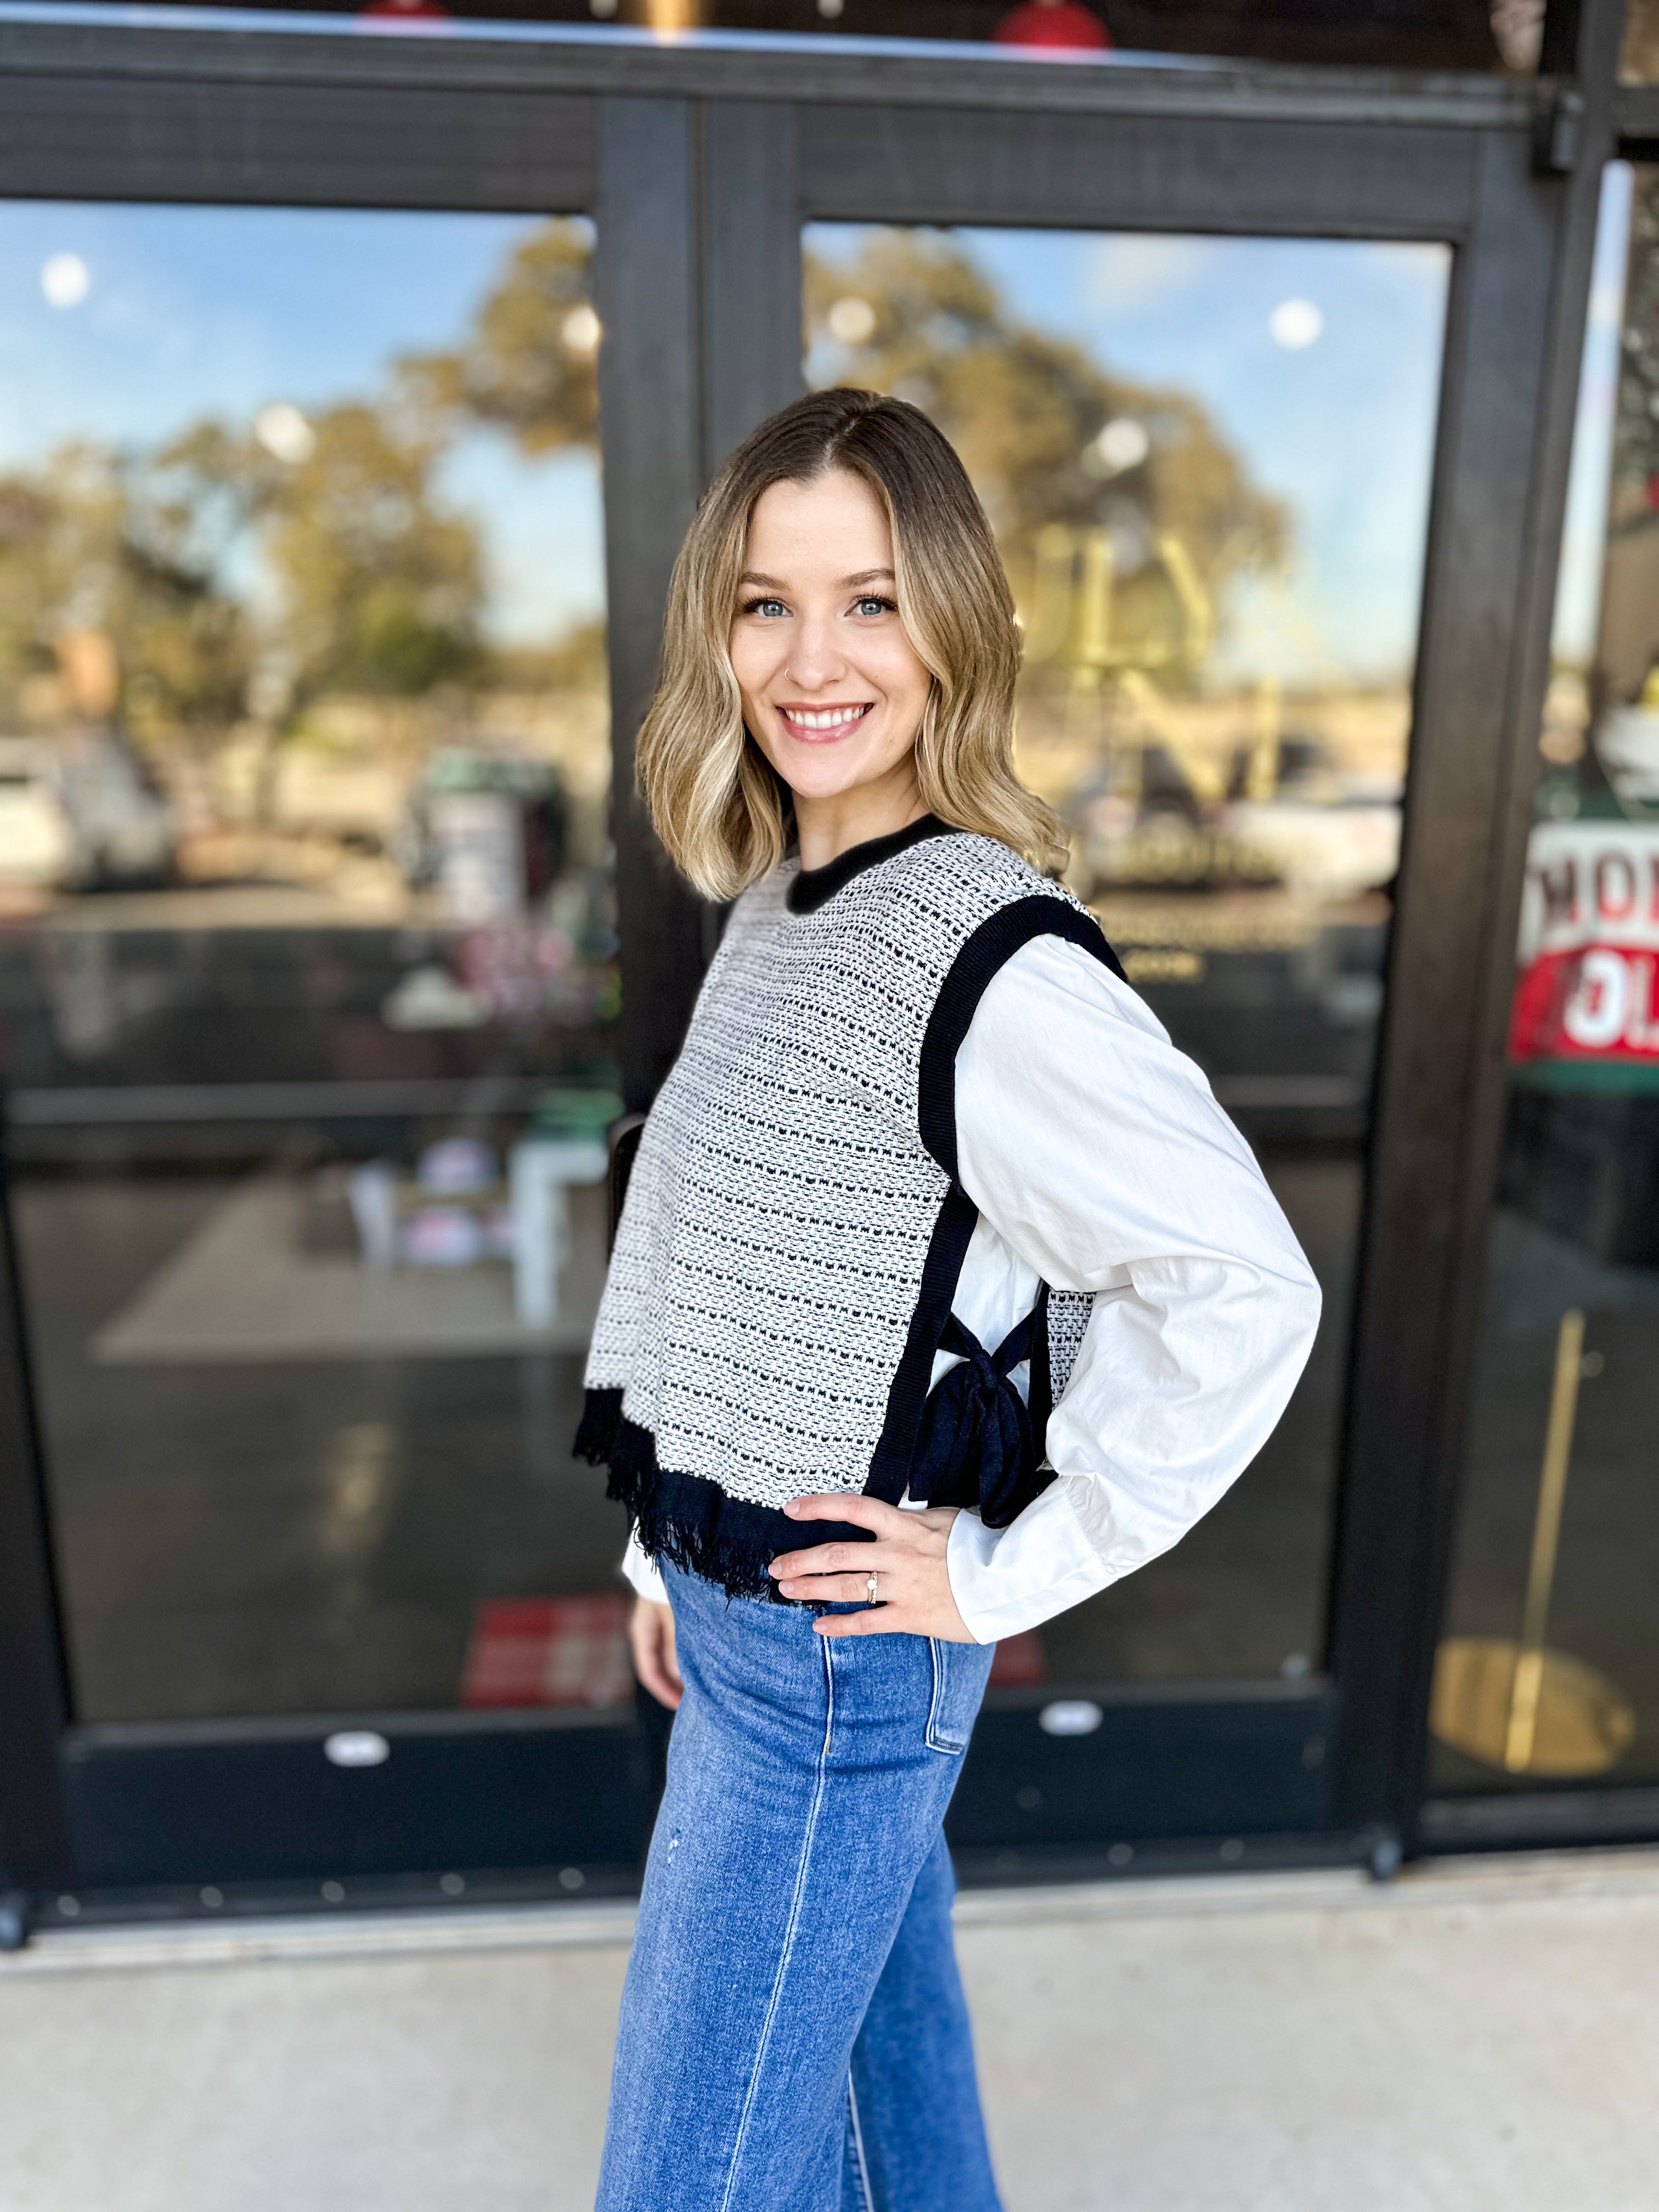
x=793 y=2036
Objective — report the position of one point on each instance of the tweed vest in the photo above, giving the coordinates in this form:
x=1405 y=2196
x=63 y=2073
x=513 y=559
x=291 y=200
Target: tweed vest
x=794 y=1225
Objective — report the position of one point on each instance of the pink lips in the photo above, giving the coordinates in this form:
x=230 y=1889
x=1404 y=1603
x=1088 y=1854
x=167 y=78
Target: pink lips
x=828 y=723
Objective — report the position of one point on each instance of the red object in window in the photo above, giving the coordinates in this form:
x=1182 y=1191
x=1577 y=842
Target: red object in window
x=1053 y=23
x=406 y=10
x=1019 y=1661
x=548 y=1651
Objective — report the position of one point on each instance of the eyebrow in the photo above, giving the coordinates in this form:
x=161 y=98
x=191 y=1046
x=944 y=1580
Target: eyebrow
x=863 y=576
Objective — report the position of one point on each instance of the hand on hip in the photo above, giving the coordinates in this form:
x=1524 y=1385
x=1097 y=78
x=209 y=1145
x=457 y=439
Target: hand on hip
x=912 y=1594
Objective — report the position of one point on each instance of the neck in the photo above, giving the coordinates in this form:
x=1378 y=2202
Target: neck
x=828 y=827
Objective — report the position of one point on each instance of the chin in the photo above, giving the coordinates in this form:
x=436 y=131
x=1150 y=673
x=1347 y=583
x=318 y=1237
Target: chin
x=814 y=777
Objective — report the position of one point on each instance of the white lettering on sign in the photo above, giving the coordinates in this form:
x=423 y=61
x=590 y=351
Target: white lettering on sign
x=1588 y=881
x=1594 y=1016
x=1640 y=1033
x=1615 y=886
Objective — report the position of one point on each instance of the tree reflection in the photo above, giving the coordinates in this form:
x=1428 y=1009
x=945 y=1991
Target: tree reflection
x=246 y=571
x=528 y=366
x=300 y=581
x=1049 y=437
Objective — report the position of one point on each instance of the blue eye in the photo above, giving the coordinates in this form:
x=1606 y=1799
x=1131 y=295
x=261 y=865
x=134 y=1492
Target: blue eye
x=767 y=607
x=872 y=604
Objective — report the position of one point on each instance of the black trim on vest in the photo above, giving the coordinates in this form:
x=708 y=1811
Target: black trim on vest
x=1039 y=1398
x=689 y=1520
x=815 y=887
x=991 y=945
x=988 y=951
x=890 y=1464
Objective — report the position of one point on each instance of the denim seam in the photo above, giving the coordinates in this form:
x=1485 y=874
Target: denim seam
x=935 y=1740
x=789 y=1932
x=866 y=2195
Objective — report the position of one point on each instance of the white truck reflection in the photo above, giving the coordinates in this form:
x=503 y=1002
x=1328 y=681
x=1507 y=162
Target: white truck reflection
x=77 y=813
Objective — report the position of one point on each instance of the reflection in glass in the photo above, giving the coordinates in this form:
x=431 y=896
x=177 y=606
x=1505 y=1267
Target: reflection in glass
x=308 y=965
x=1207 y=462
x=1550 y=1671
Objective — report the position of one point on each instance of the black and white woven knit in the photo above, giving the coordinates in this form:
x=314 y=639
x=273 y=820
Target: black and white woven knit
x=794 y=1228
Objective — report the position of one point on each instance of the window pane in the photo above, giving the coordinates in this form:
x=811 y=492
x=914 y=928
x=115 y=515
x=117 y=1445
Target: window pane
x=309 y=966
x=1550 y=1672
x=1207 y=461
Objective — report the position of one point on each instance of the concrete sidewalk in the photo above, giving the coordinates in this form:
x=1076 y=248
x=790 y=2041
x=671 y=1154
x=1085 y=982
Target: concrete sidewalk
x=1477 y=2035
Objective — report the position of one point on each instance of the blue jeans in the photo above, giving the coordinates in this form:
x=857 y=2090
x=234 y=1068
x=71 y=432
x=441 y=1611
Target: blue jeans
x=793 y=2036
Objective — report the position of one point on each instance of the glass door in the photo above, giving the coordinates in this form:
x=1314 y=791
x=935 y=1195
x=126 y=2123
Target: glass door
x=309 y=950
x=1256 y=402
x=1208 y=460
x=1545 y=1715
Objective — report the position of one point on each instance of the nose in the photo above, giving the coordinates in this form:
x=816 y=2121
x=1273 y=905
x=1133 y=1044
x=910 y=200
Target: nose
x=814 y=660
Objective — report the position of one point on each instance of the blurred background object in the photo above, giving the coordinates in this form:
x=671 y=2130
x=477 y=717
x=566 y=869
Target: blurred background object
x=1060 y=24
x=1517 y=28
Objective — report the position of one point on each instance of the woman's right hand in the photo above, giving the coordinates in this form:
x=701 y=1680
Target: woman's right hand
x=651 y=1638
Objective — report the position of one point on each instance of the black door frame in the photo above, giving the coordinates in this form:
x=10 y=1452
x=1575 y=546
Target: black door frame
x=700 y=161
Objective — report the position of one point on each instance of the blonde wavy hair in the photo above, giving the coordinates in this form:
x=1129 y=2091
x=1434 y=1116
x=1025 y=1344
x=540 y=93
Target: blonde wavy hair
x=715 y=801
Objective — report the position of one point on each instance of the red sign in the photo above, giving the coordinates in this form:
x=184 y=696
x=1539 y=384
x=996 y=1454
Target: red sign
x=1589 y=945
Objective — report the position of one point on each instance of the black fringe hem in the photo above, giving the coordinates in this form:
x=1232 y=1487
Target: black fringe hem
x=688 y=1520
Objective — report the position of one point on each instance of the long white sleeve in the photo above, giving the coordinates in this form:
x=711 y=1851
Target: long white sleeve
x=1100 y=1161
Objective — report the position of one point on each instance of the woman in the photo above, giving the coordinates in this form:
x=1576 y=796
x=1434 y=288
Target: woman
x=944 y=1295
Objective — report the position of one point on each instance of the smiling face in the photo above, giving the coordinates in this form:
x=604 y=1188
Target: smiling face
x=833 y=689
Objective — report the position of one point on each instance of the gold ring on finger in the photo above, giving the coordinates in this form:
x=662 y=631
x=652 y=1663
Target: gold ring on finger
x=871 y=1586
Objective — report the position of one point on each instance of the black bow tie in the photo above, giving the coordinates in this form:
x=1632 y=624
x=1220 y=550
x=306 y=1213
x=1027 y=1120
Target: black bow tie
x=976 y=1448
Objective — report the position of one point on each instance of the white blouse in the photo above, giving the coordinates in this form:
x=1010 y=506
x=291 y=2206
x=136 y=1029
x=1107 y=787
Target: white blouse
x=1100 y=1162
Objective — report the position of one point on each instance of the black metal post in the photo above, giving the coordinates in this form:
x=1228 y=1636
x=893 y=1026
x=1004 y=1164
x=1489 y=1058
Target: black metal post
x=34 y=1706
x=650 y=424
x=1514 y=349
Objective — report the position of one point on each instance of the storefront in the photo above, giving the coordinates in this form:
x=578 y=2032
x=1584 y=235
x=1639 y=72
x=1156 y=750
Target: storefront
x=357 y=392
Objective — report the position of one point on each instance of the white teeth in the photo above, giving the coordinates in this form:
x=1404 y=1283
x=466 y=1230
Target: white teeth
x=829 y=718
